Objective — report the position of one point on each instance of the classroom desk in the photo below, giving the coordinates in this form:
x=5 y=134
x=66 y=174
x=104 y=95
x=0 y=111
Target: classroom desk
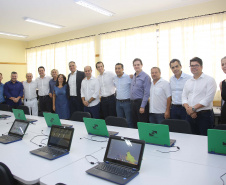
x=154 y=170
x=28 y=168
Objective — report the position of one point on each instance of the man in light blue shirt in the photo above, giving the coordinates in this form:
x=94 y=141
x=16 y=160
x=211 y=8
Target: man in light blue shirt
x=123 y=83
x=2 y=99
x=177 y=82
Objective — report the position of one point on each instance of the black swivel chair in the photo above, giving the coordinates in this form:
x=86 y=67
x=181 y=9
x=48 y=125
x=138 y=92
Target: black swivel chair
x=180 y=126
x=5 y=107
x=78 y=116
x=116 y=121
x=24 y=108
x=220 y=127
x=6 y=176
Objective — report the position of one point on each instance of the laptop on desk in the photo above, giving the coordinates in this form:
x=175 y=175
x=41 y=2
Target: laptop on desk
x=16 y=132
x=19 y=114
x=59 y=143
x=97 y=127
x=156 y=134
x=53 y=119
x=122 y=160
x=216 y=141
x=4 y=116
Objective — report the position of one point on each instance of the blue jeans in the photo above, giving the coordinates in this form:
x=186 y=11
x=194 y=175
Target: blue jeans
x=202 y=123
x=123 y=110
x=178 y=112
x=156 y=118
x=94 y=111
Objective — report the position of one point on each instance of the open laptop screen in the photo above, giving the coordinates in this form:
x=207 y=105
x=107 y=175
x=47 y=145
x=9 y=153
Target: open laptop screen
x=19 y=127
x=125 y=151
x=61 y=137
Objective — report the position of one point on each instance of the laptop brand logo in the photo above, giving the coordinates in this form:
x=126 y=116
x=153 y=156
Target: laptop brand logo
x=224 y=144
x=19 y=115
x=95 y=126
x=51 y=120
x=153 y=133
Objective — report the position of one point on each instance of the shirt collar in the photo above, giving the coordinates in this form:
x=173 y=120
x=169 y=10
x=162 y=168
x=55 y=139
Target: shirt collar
x=15 y=82
x=202 y=76
x=74 y=72
x=90 y=78
x=139 y=73
x=122 y=76
x=181 y=76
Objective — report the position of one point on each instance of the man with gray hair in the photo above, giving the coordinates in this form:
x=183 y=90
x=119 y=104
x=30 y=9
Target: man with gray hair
x=30 y=96
x=74 y=88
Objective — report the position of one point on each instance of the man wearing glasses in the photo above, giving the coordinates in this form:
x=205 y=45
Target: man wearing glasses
x=197 y=98
x=177 y=82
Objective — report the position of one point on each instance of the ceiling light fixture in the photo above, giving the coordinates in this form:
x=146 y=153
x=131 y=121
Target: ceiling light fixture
x=13 y=34
x=42 y=23
x=94 y=7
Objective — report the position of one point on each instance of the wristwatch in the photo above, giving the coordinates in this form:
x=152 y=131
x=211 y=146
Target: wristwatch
x=194 y=109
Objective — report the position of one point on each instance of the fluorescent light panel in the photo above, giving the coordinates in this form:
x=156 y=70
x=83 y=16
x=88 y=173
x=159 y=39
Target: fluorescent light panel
x=42 y=23
x=13 y=34
x=94 y=7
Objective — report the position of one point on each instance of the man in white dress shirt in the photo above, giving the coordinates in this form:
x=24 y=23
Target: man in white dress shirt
x=177 y=82
x=30 y=96
x=197 y=98
x=107 y=88
x=90 y=93
x=45 y=102
x=160 y=97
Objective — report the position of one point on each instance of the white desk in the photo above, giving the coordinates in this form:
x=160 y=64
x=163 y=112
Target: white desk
x=154 y=170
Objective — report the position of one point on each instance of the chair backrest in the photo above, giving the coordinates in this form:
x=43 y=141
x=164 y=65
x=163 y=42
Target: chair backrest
x=220 y=127
x=6 y=176
x=5 y=107
x=180 y=126
x=24 y=108
x=78 y=116
x=116 y=121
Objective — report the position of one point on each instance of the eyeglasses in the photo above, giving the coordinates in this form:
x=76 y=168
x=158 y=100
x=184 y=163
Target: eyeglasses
x=194 y=66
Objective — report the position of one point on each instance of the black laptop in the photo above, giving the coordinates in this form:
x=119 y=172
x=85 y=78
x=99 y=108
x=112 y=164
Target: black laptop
x=16 y=132
x=4 y=116
x=122 y=160
x=59 y=143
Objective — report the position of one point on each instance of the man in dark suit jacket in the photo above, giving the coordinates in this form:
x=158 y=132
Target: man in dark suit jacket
x=74 y=84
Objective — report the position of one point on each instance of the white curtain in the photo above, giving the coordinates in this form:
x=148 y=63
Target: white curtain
x=81 y=51
x=124 y=46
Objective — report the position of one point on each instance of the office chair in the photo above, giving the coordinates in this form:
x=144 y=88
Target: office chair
x=180 y=126
x=5 y=107
x=24 y=108
x=116 y=121
x=78 y=116
x=220 y=127
x=6 y=176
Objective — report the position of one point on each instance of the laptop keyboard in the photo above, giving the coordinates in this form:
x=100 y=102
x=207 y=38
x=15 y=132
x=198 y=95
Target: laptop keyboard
x=115 y=169
x=9 y=138
x=52 y=151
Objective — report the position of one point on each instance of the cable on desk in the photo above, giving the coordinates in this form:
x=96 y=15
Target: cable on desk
x=106 y=139
x=36 y=143
x=178 y=148
x=222 y=178
x=91 y=162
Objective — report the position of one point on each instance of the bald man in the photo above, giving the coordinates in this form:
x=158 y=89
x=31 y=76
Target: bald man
x=90 y=91
x=30 y=96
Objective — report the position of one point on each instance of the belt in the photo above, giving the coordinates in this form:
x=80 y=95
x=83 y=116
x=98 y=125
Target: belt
x=29 y=99
x=44 y=96
x=125 y=100
x=136 y=100
x=103 y=98
x=202 y=111
x=177 y=105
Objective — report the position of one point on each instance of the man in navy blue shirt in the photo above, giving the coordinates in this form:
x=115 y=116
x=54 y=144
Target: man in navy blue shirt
x=13 y=90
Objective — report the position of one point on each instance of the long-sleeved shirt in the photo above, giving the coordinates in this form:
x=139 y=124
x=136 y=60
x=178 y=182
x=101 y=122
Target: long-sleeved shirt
x=91 y=88
x=140 y=88
x=200 y=91
x=52 y=83
x=123 y=86
x=30 y=90
x=2 y=99
x=106 y=80
x=43 y=85
x=13 y=90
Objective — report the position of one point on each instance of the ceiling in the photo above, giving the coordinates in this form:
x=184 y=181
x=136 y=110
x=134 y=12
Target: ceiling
x=72 y=16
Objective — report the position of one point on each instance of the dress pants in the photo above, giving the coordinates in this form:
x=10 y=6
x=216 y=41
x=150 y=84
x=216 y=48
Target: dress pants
x=94 y=111
x=108 y=106
x=45 y=104
x=32 y=104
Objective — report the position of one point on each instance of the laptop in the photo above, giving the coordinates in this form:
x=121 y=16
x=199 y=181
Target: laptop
x=156 y=134
x=53 y=119
x=59 y=143
x=19 y=114
x=216 y=141
x=16 y=132
x=4 y=116
x=97 y=127
x=122 y=160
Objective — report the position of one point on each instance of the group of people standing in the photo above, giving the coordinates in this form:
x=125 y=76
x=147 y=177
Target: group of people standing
x=134 y=97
